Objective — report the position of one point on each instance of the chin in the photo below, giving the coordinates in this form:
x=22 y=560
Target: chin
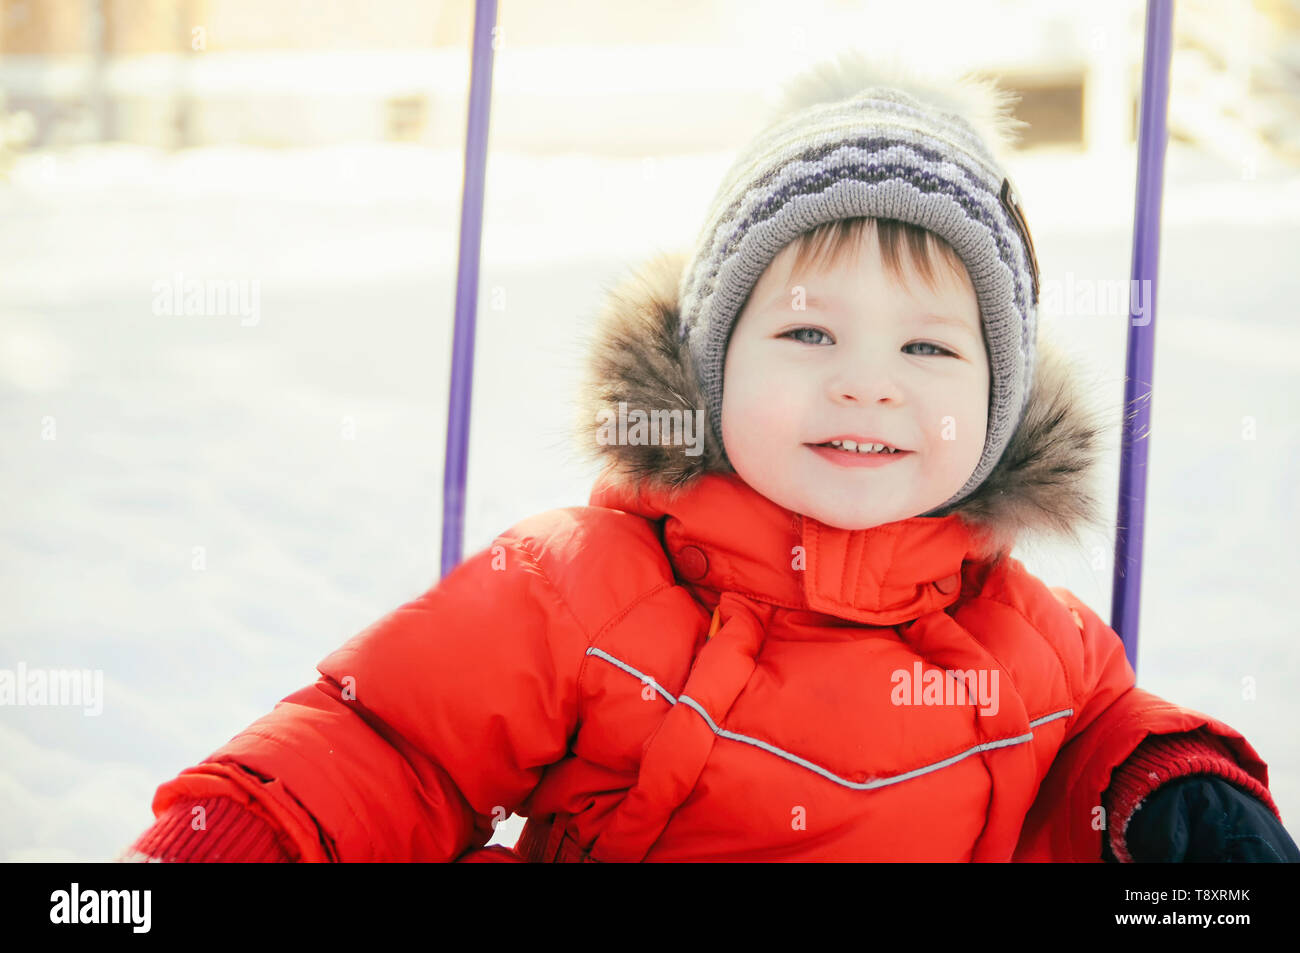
x=850 y=520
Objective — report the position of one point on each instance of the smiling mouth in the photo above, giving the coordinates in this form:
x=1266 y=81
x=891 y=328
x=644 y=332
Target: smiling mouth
x=848 y=446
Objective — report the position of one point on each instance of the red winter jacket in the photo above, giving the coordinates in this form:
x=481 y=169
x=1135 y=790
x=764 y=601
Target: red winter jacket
x=683 y=670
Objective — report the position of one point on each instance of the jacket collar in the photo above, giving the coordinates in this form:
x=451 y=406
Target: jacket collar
x=725 y=536
x=1043 y=483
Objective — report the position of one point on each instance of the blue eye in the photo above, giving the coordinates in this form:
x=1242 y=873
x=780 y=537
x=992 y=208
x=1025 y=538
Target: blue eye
x=794 y=335
x=790 y=334
x=937 y=348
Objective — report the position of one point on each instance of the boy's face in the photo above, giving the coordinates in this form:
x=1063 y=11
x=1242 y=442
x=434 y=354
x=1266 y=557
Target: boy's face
x=869 y=365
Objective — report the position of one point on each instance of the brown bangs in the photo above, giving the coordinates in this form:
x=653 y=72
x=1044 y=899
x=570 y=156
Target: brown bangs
x=826 y=245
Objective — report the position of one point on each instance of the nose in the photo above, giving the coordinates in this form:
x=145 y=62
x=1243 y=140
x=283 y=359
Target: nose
x=865 y=378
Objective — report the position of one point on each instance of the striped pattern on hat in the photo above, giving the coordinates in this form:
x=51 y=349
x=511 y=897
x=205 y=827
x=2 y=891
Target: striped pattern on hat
x=881 y=152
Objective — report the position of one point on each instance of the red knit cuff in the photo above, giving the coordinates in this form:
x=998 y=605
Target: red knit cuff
x=230 y=833
x=1160 y=759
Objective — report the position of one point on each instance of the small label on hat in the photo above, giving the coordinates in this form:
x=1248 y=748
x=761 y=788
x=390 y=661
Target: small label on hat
x=1011 y=203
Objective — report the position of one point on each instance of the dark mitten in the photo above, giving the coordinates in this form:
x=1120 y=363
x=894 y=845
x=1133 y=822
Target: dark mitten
x=1204 y=819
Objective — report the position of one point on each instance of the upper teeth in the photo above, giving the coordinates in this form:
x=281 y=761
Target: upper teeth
x=863 y=447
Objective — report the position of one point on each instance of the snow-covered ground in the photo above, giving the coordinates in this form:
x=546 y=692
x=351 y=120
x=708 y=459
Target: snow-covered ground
x=202 y=507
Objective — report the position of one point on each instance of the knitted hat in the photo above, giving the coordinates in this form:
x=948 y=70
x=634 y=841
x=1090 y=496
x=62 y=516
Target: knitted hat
x=847 y=144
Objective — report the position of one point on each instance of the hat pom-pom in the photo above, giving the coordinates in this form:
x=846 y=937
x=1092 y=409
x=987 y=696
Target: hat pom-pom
x=980 y=102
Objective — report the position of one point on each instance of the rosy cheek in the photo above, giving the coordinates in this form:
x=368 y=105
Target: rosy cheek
x=752 y=395
x=774 y=415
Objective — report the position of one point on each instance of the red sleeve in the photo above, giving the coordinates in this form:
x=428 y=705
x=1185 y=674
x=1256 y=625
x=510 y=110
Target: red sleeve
x=214 y=830
x=424 y=729
x=1112 y=718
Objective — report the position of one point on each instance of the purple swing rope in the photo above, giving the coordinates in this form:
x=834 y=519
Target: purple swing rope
x=471 y=232
x=1130 y=521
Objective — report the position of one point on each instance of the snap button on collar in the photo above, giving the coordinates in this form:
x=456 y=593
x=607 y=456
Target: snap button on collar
x=692 y=563
x=948 y=584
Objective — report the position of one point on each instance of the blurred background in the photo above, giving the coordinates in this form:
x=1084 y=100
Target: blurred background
x=203 y=505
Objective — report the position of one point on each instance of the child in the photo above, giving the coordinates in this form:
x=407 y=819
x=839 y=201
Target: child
x=783 y=641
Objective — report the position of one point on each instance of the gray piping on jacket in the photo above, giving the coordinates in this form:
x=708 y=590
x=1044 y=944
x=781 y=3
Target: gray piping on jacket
x=646 y=679
x=803 y=762
x=1052 y=717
